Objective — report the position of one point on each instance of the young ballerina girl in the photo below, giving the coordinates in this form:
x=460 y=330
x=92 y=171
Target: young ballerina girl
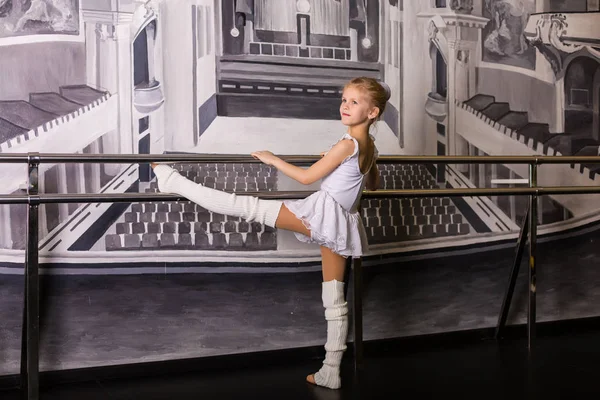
x=329 y=217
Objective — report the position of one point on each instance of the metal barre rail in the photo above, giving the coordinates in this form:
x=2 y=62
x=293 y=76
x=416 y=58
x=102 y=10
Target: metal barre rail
x=30 y=335
x=300 y=159
x=130 y=197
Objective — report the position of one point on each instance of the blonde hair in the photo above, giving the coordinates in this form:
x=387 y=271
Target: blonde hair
x=379 y=92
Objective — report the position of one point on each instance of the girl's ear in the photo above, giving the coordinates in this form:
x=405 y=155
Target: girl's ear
x=374 y=113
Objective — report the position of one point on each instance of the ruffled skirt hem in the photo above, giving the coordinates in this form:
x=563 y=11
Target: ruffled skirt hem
x=330 y=225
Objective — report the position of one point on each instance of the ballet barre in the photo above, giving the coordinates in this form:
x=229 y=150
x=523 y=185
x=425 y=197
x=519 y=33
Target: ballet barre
x=29 y=372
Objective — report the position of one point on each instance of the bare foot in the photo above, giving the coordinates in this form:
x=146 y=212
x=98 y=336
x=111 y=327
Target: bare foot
x=311 y=379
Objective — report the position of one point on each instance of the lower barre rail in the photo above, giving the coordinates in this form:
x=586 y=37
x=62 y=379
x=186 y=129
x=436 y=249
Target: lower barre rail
x=281 y=195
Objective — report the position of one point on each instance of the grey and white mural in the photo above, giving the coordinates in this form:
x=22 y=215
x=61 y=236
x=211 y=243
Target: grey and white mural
x=148 y=281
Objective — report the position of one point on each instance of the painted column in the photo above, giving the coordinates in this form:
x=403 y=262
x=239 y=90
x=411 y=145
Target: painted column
x=559 y=106
x=108 y=77
x=462 y=75
x=383 y=18
x=248 y=34
x=493 y=185
x=125 y=88
x=106 y=62
x=43 y=215
x=5 y=231
x=451 y=98
x=469 y=69
x=461 y=32
x=96 y=184
x=463 y=150
x=63 y=208
x=353 y=44
x=150 y=32
x=80 y=176
x=103 y=62
x=471 y=166
x=481 y=181
x=108 y=58
x=512 y=200
x=91 y=54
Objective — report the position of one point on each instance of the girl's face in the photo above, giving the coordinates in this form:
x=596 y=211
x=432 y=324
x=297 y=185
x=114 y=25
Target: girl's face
x=356 y=108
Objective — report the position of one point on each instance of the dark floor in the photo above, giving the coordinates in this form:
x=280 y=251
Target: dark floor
x=96 y=321
x=560 y=366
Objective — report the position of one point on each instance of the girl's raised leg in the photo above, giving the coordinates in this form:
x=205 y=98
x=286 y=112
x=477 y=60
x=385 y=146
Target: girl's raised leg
x=269 y=212
x=249 y=208
x=288 y=221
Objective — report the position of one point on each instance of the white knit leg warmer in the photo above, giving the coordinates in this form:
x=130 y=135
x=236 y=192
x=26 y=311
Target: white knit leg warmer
x=336 y=314
x=249 y=208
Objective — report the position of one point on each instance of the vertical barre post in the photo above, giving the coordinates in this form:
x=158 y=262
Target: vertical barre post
x=347 y=273
x=512 y=279
x=357 y=313
x=533 y=210
x=31 y=312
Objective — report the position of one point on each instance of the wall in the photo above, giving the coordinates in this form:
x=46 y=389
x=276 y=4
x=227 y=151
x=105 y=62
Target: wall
x=117 y=292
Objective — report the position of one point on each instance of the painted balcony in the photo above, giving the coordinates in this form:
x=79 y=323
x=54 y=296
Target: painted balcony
x=59 y=127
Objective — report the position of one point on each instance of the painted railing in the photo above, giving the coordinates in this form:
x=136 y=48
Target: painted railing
x=51 y=126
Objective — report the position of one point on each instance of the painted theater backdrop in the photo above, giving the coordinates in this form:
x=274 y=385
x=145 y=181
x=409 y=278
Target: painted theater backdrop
x=146 y=281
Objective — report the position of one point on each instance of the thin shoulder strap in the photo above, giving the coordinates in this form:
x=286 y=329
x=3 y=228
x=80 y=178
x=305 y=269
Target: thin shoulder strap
x=356 y=146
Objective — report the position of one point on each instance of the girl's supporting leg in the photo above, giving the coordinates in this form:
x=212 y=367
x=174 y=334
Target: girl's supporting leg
x=336 y=307
x=336 y=314
x=333 y=265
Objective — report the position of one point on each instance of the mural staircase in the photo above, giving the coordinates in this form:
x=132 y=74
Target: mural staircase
x=285 y=87
x=17 y=117
x=186 y=226
x=538 y=133
x=397 y=220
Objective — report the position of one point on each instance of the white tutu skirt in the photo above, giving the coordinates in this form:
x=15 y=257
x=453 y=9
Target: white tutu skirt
x=330 y=225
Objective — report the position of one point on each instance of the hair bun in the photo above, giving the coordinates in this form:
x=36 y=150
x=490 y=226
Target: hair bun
x=388 y=91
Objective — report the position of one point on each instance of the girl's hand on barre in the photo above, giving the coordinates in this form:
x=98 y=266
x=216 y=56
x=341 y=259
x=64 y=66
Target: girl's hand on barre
x=265 y=156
